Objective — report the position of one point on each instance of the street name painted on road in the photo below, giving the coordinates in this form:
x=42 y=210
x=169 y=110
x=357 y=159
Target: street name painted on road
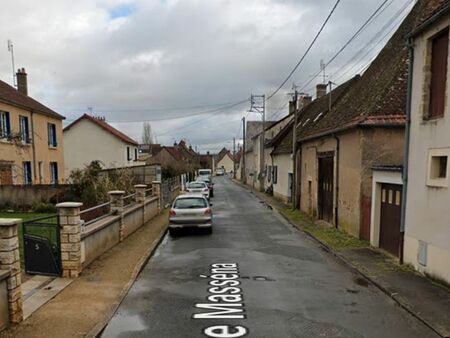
x=225 y=301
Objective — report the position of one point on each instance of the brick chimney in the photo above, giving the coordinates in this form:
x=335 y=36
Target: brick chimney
x=22 y=83
x=321 y=90
x=304 y=101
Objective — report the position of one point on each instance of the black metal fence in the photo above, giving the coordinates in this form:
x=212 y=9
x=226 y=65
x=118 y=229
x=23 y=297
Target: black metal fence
x=42 y=246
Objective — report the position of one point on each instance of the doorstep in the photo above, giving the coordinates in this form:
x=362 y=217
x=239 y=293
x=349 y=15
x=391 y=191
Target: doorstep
x=39 y=290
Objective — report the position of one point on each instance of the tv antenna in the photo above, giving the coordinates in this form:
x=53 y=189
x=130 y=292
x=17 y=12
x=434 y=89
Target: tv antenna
x=11 y=50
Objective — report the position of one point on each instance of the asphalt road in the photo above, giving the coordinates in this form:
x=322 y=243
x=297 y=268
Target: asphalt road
x=289 y=285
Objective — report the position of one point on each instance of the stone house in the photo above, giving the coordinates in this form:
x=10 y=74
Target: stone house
x=339 y=147
x=31 y=141
x=90 y=138
x=427 y=212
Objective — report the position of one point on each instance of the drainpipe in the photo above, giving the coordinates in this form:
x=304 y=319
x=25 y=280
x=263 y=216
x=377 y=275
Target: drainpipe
x=406 y=153
x=299 y=169
x=33 y=147
x=336 y=208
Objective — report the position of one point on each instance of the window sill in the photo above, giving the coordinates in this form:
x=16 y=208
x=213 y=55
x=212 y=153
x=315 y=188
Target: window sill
x=52 y=147
x=437 y=183
x=432 y=120
x=5 y=141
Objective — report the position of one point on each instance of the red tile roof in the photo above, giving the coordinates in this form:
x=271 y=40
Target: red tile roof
x=11 y=95
x=174 y=152
x=105 y=126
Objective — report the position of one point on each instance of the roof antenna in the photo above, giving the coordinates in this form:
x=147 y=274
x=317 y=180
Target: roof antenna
x=11 y=50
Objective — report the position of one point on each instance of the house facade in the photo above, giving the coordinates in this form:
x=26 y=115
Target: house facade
x=225 y=160
x=31 y=141
x=427 y=212
x=91 y=138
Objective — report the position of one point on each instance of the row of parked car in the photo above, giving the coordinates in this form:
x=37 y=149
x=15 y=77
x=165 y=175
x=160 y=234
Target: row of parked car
x=192 y=209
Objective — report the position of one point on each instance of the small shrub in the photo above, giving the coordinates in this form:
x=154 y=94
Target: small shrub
x=43 y=207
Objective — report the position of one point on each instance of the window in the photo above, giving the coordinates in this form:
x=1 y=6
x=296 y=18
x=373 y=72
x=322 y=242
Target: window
x=135 y=154
x=52 y=135
x=269 y=175
x=275 y=174
x=128 y=154
x=5 y=126
x=438 y=81
x=24 y=129
x=438 y=167
x=53 y=172
x=27 y=178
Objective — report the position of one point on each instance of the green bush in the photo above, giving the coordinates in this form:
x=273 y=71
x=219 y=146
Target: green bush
x=43 y=207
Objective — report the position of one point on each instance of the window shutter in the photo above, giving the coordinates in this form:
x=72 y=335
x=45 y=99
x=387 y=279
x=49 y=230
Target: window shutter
x=49 y=134
x=439 y=57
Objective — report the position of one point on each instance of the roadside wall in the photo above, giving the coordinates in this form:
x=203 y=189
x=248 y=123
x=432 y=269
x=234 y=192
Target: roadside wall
x=100 y=236
x=284 y=165
x=4 y=311
x=26 y=195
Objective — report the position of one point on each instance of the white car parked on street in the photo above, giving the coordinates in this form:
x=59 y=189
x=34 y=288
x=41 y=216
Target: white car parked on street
x=198 y=187
x=190 y=211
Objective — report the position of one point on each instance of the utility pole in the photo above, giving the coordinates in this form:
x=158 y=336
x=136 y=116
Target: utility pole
x=261 y=108
x=294 y=151
x=243 y=172
x=234 y=157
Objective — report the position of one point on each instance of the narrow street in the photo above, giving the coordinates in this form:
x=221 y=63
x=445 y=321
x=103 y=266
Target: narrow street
x=289 y=285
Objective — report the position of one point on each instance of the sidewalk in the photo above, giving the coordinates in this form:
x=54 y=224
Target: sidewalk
x=424 y=299
x=86 y=305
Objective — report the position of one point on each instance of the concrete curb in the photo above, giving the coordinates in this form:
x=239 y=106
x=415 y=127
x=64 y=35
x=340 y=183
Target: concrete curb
x=330 y=250
x=98 y=329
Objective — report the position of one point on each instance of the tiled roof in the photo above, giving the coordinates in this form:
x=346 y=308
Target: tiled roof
x=435 y=10
x=174 y=152
x=11 y=95
x=382 y=89
x=105 y=126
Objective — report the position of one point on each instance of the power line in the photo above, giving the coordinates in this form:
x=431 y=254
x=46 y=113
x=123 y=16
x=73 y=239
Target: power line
x=364 y=26
x=399 y=17
x=307 y=51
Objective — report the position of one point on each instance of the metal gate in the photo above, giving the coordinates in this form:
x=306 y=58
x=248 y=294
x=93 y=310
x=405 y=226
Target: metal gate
x=42 y=246
x=166 y=193
x=326 y=187
x=390 y=214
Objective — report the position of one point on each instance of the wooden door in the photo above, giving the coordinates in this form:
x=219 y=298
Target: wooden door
x=390 y=214
x=326 y=188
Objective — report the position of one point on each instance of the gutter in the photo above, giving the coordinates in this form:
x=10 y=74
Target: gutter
x=406 y=153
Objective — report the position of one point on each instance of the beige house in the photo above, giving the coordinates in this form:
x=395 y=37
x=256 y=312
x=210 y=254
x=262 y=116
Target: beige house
x=31 y=142
x=91 y=138
x=225 y=160
x=427 y=213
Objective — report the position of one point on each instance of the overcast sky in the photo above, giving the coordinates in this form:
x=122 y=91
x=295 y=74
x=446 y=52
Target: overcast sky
x=149 y=60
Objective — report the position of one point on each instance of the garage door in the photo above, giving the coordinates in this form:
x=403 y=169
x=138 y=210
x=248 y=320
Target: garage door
x=391 y=208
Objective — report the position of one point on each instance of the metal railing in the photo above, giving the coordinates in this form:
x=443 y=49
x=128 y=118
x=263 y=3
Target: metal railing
x=96 y=213
x=149 y=192
x=127 y=200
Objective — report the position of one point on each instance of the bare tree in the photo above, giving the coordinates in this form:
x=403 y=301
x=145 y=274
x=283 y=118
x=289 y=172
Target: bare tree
x=148 y=137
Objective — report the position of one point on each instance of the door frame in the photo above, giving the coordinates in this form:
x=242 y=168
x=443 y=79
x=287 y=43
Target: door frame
x=381 y=176
x=320 y=156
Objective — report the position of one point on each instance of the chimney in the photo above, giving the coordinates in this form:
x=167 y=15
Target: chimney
x=304 y=101
x=321 y=90
x=22 y=85
x=207 y=153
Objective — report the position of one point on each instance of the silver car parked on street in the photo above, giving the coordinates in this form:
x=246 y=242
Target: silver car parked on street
x=190 y=211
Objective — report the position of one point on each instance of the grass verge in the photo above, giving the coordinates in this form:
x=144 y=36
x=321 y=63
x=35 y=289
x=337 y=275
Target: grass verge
x=334 y=238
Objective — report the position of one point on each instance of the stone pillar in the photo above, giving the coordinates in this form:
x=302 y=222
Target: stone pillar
x=10 y=261
x=117 y=206
x=156 y=186
x=140 y=192
x=70 y=234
